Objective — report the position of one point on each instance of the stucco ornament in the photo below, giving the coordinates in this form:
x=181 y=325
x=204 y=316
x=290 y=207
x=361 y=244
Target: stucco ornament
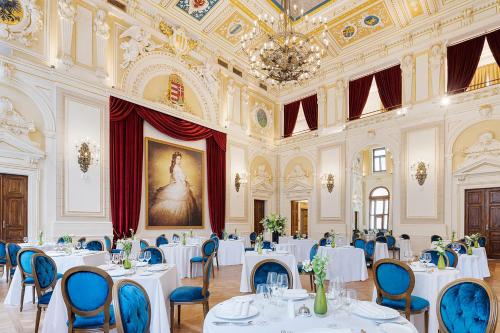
x=13 y=122
x=138 y=43
x=24 y=28
x=486 y=145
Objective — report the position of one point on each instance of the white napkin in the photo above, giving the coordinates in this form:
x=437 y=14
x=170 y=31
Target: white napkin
x=233 y=309
x=395 y=328
x=375 y=311
x=294 y=292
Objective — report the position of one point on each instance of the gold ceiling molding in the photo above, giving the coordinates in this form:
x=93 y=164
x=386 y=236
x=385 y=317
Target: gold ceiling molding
x=234 y=27
x=322 y=7
x=238 y=4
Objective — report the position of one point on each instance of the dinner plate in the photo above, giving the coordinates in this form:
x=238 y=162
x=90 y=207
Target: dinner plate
x=252 y=312
x=158 y=268
x=140 y=264
x=56 y=254
x=379 y=312
x=296 y=297
x=117 y=272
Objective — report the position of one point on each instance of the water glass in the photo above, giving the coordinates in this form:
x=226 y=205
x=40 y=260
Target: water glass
x=84 y=245
x=25 y=240
x=78 y=245
x=262 y=295
x=350 y=300
x=282 y=283
x=147 y=256
x=427 y=258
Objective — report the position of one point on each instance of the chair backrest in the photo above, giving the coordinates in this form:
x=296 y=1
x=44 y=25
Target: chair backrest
x=12 y=250
x=156 y=255
x=482 y=241
x=176 y=238
x=262 y=268
x=326 y=235
x=360 y=243
x=82 y=239
x=322 y=242
x=452 y=257
x=143 y=244
x=253 y=236
x=24 y=260
x=462 y=250
x=208 y=248
x=380 y=233
x=370 y=248
x=355 y=235
x=405 y=236
x=216 y=241
x=266 y=245
x=3 y=250
x=107 y=243
x=213 y=234
x=60 y=240
x=391 y=241
x=467 y=305
x=394 y=280
x=207 y=273
x=381 y=239
x=435 y=238
x=313 y=251
x=435 y=256
x=87 y=291
x=44 y=273
x=132 y=307
x=161 y=240
x=95 y=245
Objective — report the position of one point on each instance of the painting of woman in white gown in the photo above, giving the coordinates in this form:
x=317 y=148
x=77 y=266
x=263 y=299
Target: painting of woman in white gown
x=175 y=185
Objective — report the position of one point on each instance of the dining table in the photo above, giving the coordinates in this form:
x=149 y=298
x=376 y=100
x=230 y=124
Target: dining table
x=345 y=262
x=64 y=261
x=275 y=318
x=300 y=247
x=180 y=256
x=381 y=251
x=158 y=283
x=230 y=252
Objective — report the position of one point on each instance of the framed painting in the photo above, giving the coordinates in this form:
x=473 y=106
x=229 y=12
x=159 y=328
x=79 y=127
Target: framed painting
x=175 y=178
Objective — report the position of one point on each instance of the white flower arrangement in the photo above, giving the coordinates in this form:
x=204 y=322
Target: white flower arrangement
x=318 y=265
x=439 y=246
x=125 y=245
x=274 y=223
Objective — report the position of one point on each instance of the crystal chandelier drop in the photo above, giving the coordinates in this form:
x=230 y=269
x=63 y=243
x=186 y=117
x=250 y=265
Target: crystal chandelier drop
x=281 y=55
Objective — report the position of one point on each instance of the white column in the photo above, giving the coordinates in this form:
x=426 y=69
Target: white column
x=436 y=62
x=340 y=101
x=101 y=29
x=245 y=120
x=229 y=102
x=407 y=71
x=67 y=13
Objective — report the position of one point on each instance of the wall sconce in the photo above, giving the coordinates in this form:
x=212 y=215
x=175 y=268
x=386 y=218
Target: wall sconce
x=87 y=153
x=239 y=180
x=328 y=181
x=420 y=172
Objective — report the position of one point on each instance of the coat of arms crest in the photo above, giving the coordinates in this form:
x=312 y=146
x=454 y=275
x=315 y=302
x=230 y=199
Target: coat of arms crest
x=175 y=90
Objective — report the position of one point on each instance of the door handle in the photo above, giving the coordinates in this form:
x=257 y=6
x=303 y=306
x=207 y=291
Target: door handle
x=487 y=227
x=3 y=224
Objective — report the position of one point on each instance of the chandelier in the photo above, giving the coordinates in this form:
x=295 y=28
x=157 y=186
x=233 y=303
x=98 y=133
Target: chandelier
x=284 y=56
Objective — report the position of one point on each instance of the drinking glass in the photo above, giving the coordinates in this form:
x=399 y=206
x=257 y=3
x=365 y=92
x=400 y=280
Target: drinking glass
x=147 y=256
x=262 y=295
x=272 y=278
x=351 y=298
x=25 y=239
x=282 y=283
x=78 y=245
x=140 y=257
x=84 y=245
x=115 y=258
x=427 y=258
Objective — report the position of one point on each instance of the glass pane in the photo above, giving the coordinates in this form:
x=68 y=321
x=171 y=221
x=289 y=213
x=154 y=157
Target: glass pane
x=372 y=207
x=386 y=206
x=379 y=152
x=382 y=164
x=372 y=219
x=380 y=192
x=379 y=207
x=379 y=223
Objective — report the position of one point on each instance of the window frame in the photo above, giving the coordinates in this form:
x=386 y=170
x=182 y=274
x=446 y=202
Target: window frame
x=378 y=160
x=373 y=216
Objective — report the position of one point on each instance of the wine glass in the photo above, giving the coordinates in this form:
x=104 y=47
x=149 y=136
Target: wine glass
x=25 y=240
x=350 y=300
x=282 y=283
x=262 y=295
x=84 y=245
x=78 y=245
x=115 y=258
x=140 y=257
x=147 y=256
x=427 y=259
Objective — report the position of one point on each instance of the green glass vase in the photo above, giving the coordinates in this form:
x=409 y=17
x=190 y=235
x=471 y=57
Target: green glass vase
x=320 y=304
x=476 y=244
x=441 y=262
x=469 y=250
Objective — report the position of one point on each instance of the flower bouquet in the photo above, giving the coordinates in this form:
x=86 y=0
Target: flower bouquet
x=274 y=224
x=332 y=237
x=125 y=245
x=258 y=243
x=318 y=265
x=475 y=239
x=469 y=241
x=441 y=249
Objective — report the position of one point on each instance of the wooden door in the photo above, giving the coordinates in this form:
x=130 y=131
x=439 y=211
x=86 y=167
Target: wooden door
x=259 y=211
x=482 y=215
x=14 y=207
x=303 y=220
x=295 y=217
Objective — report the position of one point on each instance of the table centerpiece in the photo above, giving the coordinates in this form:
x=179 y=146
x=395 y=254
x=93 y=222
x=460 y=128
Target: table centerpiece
x=275 y=224
x=318 y=265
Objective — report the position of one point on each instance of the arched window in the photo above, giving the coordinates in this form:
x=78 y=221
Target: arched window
x=379 y=208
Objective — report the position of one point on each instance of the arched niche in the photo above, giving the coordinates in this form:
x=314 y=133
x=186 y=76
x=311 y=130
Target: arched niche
x=298 y=174
x=261 y=176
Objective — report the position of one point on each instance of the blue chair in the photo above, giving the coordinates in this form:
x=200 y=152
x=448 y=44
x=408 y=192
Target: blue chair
x=369 y=251
x=380 y=234
x=132 y=307
x=161 y=240
x=95 y=245
x=108 y=243
x=322 y=242
x=24 y=264
x=45 y=276
x=360 y=244
x=355 y=235
x=156 y=255
x=191 y=294
x=391 y=245
x=3 y=256
x=462 y=250
x=232 y=236
x=262 y=268
x=266 y=245
x=207 y=249
x=435 y=238
x=213 y=234
x=467 y=305
x=216 y=253
x=12 y=250
x=253 y=238
x=176 y=238
x=87 y=292
x=405 y=236
x=312 y=254
x=326 y=235
x=60 y=240
x=82 y=239
x=143 y=244
x=482 y=241
x=381 y=239
x=395 y=281
x=435 y=257
x=452 y=258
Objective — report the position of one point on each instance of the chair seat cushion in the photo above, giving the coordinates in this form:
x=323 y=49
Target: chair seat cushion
x=45 y=299
x=3 y=261
x=187 y=294
x=198 y=259
x=116 y=251
x=29 y=280
x=95 y=321
x=417 y=303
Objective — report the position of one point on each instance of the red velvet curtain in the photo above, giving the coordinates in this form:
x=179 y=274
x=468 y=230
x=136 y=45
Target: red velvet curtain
x=463 y=59
x=389 y=87
x=358 y=94
x=310 y=107
x=291 y=111
x=494 y=43
x=126 y=158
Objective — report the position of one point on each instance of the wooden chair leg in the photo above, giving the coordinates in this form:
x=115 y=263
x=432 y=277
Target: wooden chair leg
x=33 y=295
x=179 y=314
x=22 y=298
x=311 y=281
x=426 y=320
x=191 y=269
x=213 y=270
x=217 y=259
x=172 y=319
x=205 y=309
x=37 y=323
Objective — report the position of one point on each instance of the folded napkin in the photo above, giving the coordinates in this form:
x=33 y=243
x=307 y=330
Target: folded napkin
x=395 y=328
x=233 y=309
x=374 y=311
x=293 y=292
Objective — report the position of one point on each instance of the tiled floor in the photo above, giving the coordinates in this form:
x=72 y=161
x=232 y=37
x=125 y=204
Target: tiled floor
x=225 y=285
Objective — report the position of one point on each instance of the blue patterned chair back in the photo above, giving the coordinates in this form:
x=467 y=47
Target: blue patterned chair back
x=405 y=236
x=156 y=255
x=482 y=241
x=132 y=307
x=24 y=260
x=3 y=250
x=452 y=258
x=435 y=238
x=161 y=240
x=462 y=250
x=391 y=241
x=143 y=244
x=253 y=236
x=12 y=250
x=176 y=238
x=95 y=245
x=44 y=272
x=87 y=291
x=216 y=241
x=322 y=242
x=435 y=256
x=360 y=243
x=107 y=243
x=313 y=251
x=82 y=239
x=381 y=239
x=213 y=234
x=262 y=268
x=355 y=236
x=379 y=234
x=266 y=245
x=467 y=305
x=207 y=273
x=393 y=278
x=60 y=240
x=370 y=248
x=208 y=248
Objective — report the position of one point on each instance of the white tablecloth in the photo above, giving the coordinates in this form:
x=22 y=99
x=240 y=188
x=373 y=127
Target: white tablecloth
x=136 y=246
x=275 y=320
x=302 y=247
x=469 y=266
x=63 y=263
x=381 y=251
x=231 y=252
x=483 y=261
x=158 y=287
x=251 y=258
x=404 y=248
x=347 y=263
x=180 y=256
x=428 y=286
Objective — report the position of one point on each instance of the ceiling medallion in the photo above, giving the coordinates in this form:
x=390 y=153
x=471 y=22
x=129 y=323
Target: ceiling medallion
x=285 y=56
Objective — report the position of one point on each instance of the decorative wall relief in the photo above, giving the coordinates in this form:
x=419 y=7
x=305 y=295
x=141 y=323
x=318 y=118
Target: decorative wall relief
x=436 y=61
x=407 y=69
x=262 y=118
x=20 y=20
x=101 y=29
x=197 y=8
x=486 y=145
x=298 y=180
x=13 y=122
x=262 y=180
x=139 y=42
x=67 y=13
x=179 y=43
